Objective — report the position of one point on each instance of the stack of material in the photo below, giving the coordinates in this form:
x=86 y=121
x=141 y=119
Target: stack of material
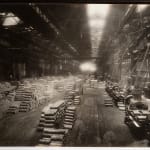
x=121 y=106
x=69 y=117
x=33 y=93
x=60 y=85
x=51 y=115
x=66 y=96
x=77 y=100
x=14 y=108
x=69 y=99
x=2 y=96
x=87 y=83
x=52 y=137
x=101 y=85
x=27 y=99
x=5 y=87
x=44 y=141
x=41 y=91
x=76 y=92
x=50 y=118
x=42 y=119
x=78 y=85
x=94 y=83
x=11 y=96
x=60 y=89
x=60 y=106
x=108 y=100
x=25 y=106
x=70 y=87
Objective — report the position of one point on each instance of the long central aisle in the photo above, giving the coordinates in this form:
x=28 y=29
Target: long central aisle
x=97 y=125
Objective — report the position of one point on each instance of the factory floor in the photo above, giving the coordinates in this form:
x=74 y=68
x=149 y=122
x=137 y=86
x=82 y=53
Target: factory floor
x=21 y=129
x=95 y=125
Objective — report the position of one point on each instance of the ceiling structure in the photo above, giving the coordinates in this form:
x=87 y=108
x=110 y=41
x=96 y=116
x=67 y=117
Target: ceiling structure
x=46 y=30
x=60 y=31
x=111 y=32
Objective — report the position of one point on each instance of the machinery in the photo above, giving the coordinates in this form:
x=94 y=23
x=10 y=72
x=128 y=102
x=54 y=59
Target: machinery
x=137 y=115
x=109 y=88
x=116 y=93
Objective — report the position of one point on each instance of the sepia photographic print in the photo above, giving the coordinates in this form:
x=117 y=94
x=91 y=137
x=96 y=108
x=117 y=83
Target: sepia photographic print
x=74 y=75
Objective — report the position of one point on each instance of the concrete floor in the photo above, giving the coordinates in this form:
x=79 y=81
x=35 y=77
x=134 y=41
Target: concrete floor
x=95 y=125
x=20 y=129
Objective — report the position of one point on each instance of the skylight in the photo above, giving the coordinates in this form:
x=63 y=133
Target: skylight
x=97 y=14
x=141 y=7
x=10 y=20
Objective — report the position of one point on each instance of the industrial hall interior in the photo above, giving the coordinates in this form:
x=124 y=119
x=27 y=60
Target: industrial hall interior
x=74 y=75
